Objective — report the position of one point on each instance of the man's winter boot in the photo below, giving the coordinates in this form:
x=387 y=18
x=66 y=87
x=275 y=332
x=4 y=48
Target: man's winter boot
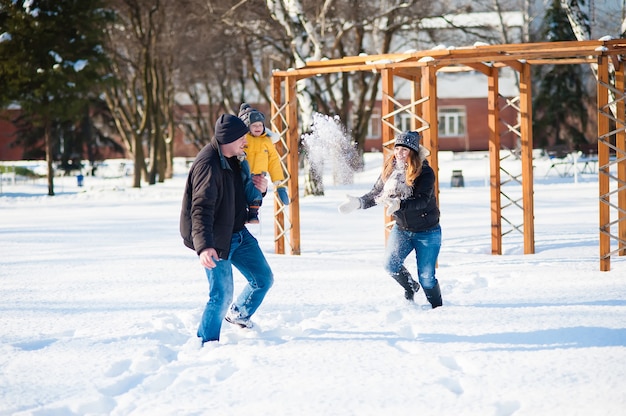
x=253 y=212
x=434 y=296
x=403 y=277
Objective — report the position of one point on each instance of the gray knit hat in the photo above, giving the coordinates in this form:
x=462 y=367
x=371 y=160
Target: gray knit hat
x=255 y=116
x=250 y=115
x=409 y=139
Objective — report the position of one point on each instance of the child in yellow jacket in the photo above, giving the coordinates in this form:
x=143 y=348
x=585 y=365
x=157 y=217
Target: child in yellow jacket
x=262 y=157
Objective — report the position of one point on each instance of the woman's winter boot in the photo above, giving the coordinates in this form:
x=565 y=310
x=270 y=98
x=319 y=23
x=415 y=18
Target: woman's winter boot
x=434 y=296
x=404 y=278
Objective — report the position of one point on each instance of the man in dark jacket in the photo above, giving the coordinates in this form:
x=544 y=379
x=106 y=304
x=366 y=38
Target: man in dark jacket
x=212 y=222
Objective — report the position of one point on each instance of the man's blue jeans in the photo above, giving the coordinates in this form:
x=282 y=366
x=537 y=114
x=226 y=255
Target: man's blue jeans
x=426 y=245
x=247 y=257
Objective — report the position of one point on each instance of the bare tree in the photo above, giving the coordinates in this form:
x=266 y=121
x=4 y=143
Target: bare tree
x=145 y=46
x=335 y=29
x=578 y=16
x=237 y=45
x=203 y=58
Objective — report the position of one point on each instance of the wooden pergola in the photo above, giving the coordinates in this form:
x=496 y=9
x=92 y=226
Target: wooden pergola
x=420 y=68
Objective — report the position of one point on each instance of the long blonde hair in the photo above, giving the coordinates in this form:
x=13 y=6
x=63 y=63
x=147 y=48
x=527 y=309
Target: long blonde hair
x=412 y=171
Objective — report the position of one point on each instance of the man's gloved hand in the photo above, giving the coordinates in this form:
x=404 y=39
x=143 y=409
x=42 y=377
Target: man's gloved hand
x=350 y=205
x=282 y=195
x=392 y=206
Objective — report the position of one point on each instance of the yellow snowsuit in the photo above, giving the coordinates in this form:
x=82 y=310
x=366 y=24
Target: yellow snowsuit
x=263 y=157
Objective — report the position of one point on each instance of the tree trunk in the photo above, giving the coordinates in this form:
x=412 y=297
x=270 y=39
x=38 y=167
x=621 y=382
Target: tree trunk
x=138 y=170
x=581 y=27
x=313 y=183
x=49 y=155
x=169 y=148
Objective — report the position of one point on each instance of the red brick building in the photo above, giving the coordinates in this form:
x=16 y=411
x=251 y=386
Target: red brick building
x=462 y=113
x=8 y=151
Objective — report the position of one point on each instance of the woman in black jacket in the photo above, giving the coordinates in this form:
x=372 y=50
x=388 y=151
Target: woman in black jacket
x=407 y=187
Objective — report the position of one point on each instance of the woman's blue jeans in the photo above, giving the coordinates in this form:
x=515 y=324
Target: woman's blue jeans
x=426 y=245
x=247 y=257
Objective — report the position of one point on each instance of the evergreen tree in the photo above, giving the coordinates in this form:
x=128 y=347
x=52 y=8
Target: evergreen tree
x=560 y=99
x=51 y=60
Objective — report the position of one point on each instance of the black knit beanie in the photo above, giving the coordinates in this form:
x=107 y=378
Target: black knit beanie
x=229 y=128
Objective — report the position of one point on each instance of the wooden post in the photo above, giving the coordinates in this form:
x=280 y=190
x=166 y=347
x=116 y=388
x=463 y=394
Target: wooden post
x=430 y=136
x=291 y=116
x=493 y=119
x=277 y=125
x=526 y=129
x=603 y=164
x=388 y=120
x=416 y=109
x=620 y=144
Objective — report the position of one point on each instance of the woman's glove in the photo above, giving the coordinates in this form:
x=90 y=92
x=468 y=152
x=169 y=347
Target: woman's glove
x=282 y=195
x=350 y=205
x=392 y=206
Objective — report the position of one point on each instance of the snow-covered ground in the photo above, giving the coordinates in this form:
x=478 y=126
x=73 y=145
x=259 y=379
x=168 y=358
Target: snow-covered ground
x=100 y=303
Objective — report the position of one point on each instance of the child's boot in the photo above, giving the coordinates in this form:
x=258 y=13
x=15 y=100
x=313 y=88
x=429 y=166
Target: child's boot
x=253 y=212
